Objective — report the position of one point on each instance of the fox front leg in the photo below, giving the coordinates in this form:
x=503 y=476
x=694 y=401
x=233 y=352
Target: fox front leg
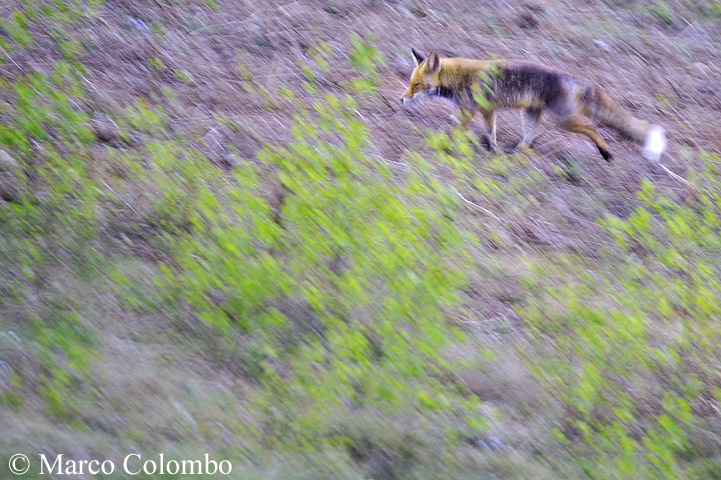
x=465 y=117
x=490 y=120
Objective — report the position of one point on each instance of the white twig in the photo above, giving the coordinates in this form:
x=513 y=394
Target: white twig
x=680 y=179
x=478 y=207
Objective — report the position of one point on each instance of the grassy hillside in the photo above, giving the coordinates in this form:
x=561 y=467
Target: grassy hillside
x=221 y=233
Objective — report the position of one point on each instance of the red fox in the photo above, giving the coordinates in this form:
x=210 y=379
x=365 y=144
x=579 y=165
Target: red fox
x=535 y=89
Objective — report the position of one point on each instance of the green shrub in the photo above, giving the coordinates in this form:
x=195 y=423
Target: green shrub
x=51 y=224
x=629 y=343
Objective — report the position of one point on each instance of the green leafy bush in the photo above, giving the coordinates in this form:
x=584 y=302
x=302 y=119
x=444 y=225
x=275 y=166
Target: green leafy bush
x=50 y=224
x=339 y=269
x=630 y=343
x=349 y=272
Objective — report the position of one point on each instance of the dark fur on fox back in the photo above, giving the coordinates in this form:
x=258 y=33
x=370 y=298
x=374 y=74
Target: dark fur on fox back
x=526 y=85
x=507 y=85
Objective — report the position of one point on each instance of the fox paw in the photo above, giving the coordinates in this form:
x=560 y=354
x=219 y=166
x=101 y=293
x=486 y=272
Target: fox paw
x=605 y=154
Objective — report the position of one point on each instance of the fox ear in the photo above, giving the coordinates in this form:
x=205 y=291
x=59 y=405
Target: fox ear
x=434 y=62
x=417 y=57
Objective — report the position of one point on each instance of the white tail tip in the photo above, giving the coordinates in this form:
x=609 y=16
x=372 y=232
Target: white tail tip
x=655 y=144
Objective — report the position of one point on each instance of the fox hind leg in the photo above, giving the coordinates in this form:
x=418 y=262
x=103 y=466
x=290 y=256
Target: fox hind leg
x=530 y=118
x=577 y=125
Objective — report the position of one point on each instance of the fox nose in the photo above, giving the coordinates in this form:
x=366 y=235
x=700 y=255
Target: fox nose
x=401 y=99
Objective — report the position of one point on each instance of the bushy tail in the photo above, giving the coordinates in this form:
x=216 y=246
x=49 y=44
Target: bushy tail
x=599 y=105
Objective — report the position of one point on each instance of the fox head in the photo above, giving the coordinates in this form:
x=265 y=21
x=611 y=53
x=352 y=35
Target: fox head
x=424 y=79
